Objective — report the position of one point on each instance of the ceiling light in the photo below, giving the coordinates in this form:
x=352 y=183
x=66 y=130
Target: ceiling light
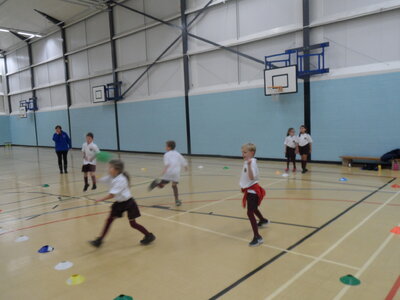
x=26 y=33
x=4 y=30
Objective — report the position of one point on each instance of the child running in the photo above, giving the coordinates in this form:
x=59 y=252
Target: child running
x=90 y=150
x=305 y=147
x=119 y=181
x=291 y=147
x=253 y=192
x=173 y=162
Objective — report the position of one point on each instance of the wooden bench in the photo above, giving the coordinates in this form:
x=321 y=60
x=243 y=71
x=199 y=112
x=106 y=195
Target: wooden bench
x=348 y=160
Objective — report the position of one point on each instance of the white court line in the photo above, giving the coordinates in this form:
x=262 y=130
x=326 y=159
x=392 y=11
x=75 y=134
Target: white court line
x=216 y=202
x=366 y=265
x=244 y=240
x=330 y=249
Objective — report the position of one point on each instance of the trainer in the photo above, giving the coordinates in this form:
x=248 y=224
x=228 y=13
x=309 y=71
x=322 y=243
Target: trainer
x=62 y=145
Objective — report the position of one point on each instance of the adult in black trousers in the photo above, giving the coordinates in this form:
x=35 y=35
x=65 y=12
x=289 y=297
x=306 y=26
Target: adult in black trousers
x=62 y=145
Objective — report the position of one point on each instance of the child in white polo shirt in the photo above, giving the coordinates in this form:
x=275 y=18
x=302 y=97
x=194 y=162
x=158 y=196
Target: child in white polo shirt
x=118 y=180
x=173 y=162
x=291 y=147
x=305 y=147
x=90 y=150
x=253 y=193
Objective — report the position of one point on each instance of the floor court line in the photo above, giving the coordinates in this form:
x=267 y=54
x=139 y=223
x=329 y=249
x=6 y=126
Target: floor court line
x=393 y=290
x=251 y=273
x=219 y=201
x=366 y=265
x=246 y=241
x=226 y=216
x=326 y=252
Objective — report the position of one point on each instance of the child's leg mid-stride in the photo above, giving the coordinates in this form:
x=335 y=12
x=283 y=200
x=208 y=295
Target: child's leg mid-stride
x=176 y=194
x=86 y=180
x=93 y=176
x=97 y=242
x=118 y=208
x=252 y=211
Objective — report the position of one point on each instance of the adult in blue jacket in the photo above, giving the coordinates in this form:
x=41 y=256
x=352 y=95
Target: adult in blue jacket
x=62 y=145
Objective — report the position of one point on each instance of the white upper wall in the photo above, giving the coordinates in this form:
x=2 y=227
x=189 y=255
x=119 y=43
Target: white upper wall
x=360 y=32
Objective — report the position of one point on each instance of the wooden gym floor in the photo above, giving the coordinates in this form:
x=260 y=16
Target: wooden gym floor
x=322 y=229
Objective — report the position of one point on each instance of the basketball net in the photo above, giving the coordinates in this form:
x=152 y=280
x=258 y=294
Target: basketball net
x=275 y=92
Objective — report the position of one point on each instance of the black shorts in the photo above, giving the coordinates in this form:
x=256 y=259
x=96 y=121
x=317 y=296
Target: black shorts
x=118 y=209
x=88 y=168
x=290 y=153
x=252 y=201
x=304 y=149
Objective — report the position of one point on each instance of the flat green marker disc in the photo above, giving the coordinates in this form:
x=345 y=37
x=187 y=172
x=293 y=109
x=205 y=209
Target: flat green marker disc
x=45 y=185
x=226 y=168
x=350 y=280
x=123 y=297
x=103 y=156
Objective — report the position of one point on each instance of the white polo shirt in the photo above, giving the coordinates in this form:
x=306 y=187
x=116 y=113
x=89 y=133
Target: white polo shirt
x=291 y=141
x=245 y=181
x=175 y=161
x=119 y=187
x=304 y=139
x=90 y=151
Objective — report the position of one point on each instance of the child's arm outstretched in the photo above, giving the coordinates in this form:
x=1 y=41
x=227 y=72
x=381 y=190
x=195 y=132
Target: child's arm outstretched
x=108 y=197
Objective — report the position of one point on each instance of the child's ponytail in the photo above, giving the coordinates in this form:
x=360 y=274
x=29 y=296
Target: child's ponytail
x=128 y=177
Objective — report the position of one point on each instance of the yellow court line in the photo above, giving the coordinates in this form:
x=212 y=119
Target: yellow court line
x=330 y=249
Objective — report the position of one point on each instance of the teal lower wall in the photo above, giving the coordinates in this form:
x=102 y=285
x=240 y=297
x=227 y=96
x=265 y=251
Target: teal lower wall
x=220 y=123
x=46 y=122
x=5 y=133
x=145 y=126
x=100 y=120
x=355 y=116
x=23 y=130
x=349 y=116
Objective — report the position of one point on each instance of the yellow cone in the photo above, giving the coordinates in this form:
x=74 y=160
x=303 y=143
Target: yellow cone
x=75 y=279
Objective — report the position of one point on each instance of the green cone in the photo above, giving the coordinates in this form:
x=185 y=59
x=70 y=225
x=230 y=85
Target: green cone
x=226 y=168
x=45 y=185
x=350 y=280
x=123 y=297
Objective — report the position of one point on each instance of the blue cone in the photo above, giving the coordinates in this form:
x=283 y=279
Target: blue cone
x=343 y=179
x=45 y=249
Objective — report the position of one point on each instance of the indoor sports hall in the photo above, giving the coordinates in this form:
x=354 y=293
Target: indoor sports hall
x=200 y=149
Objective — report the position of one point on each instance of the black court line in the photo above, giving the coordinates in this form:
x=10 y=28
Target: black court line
x=243 y=218
x=291 y=247
x=223 y=216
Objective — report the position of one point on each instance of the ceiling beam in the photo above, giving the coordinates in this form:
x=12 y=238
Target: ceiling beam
x=50 y=18
x=21 y=37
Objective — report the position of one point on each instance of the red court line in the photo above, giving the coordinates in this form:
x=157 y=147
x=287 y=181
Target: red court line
x=56 y=221
x=394 y=290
